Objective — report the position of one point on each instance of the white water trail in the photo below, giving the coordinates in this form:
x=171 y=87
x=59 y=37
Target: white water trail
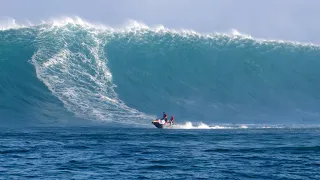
x=79 y=76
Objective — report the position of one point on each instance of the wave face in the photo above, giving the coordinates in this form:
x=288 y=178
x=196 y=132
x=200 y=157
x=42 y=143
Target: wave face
x=58 y=72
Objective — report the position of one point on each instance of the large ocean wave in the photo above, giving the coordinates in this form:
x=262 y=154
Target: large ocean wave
x=69 y=69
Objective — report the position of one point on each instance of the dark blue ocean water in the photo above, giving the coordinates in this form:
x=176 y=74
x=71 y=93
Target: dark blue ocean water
x=121 y=153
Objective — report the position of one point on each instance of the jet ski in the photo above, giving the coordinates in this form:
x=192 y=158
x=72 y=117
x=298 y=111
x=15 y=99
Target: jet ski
x=161 y=124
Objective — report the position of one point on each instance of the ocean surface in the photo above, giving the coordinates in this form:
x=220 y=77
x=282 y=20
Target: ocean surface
x=77 y=100
x=150 y=153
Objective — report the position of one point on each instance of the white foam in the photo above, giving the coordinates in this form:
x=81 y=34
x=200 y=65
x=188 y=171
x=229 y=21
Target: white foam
x=10 y=23
x=203 y=126
x=235 y=32
x=243 y=126
x=137 y=26
x=75 y=20
x=82 y=82
x=60 y=59
x=189 y=125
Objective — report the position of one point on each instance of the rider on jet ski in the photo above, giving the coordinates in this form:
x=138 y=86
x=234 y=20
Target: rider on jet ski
x=172 y=120
x=165 y=117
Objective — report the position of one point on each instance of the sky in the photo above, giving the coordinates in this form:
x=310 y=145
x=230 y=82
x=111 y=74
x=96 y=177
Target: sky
x=294 y=20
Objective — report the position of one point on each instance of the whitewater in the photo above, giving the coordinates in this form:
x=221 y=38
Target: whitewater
x=70 y=70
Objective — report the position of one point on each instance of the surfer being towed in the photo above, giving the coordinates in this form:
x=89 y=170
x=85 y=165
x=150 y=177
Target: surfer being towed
x=171 y=120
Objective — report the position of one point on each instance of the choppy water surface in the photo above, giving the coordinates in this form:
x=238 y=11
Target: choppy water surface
x=120 y=153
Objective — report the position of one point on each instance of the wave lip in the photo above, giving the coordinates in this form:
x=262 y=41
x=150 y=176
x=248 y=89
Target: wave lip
x=10 y=23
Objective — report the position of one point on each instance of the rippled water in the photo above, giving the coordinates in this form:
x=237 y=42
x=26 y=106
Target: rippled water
x=111 y=153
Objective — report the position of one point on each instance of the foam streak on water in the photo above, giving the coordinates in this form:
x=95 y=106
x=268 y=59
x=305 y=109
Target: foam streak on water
x=76 y=72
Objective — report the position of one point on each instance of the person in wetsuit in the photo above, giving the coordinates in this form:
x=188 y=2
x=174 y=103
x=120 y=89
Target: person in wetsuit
x=172 y=120
x=165 y=117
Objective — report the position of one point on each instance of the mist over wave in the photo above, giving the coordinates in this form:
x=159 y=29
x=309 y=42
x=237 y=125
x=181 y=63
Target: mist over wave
x=69 y=70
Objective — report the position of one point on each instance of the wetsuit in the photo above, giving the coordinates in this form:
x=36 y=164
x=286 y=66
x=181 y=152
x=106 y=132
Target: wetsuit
x=165 y=117
x=172 y=120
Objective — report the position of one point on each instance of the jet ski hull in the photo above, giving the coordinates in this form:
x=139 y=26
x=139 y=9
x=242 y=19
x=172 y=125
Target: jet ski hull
x=158 y=124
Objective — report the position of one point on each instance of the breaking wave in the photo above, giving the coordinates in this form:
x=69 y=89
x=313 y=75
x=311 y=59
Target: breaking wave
x=70 y=69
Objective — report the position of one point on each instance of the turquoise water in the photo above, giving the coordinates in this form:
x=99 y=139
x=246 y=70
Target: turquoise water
x=62 y=73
